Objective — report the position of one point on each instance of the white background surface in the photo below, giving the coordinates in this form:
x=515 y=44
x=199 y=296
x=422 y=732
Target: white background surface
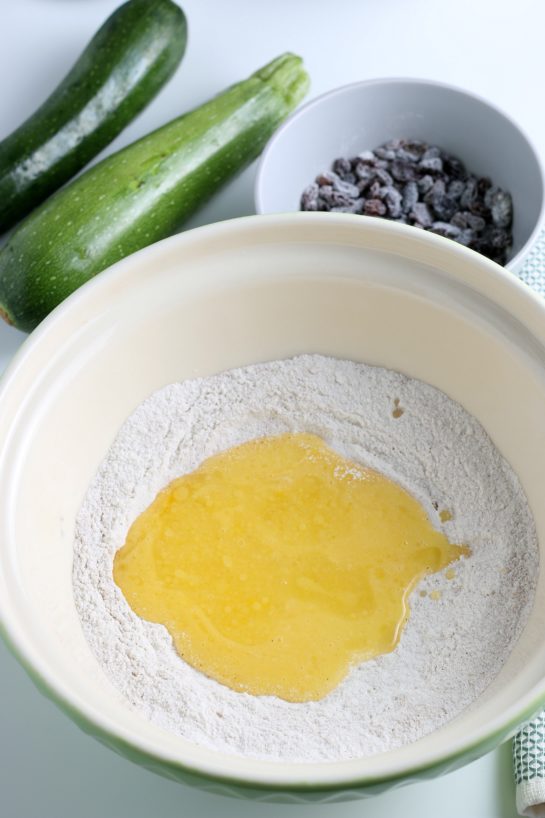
x=493 y=47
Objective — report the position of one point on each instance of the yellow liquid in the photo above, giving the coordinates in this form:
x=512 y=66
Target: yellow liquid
x=278 y=564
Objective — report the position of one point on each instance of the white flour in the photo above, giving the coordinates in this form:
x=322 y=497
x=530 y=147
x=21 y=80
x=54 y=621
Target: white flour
x=452 y=647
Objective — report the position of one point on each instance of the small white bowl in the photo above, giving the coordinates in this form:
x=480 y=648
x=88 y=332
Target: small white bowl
x=362 y=116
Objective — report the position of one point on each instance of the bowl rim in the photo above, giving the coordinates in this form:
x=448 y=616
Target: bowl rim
x=259 y=184
x=495 y=282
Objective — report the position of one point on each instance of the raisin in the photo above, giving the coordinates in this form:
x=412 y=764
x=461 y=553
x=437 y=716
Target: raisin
x=500 y=205
x=425 y=183
x=421 y=214
x=363 y=185
x=477 y=223
x=408 y=155
x=465 y=237
x=375 y=191
x=309 y=198
x=403 y=171
x=410 y=196
x=326 y=192
x=355 y=207
x=374 y=207
x=368 y=157
x=392 y=198
x=470 y=193
x=342 y=166
x=444 y=206
x=459 y=220
x=432 y=152
x=413 y=146
x=450 y=231
x=342 y=199
x=498 y=238
x=433 y=164
x=479 y=208
x=454 y=167
x=384 y=177
x=437 y=189
x=346 y=188
x=385 y=153
x=483 y=184
x=364 y=171
x=455 y=189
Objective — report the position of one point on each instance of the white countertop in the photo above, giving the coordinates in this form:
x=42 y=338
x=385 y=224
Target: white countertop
x=493 y=47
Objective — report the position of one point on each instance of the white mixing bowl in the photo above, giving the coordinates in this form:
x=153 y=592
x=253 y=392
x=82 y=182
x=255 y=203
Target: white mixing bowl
x=223 y=296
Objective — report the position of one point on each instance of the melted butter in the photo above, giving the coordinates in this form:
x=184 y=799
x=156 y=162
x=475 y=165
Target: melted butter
x=278 y=564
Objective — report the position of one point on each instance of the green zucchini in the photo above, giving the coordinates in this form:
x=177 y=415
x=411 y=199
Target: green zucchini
x=142 y=193
x=124 y=66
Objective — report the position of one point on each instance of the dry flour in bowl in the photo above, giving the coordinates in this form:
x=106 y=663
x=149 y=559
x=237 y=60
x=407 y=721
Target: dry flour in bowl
x=459 y=633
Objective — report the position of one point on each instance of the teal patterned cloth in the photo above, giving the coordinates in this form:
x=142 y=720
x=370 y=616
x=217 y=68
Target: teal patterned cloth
x=529 y=764
x=533 y=272
x=529 y=743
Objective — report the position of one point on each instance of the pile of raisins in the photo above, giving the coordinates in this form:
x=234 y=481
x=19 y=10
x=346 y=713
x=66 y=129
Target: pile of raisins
x=409 y=181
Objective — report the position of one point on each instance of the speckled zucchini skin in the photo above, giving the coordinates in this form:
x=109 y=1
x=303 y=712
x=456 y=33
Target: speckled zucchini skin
x=142 y=193
x=124 y=66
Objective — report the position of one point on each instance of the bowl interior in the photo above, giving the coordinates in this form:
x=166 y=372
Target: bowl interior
x=363 y=116
x=252 y=290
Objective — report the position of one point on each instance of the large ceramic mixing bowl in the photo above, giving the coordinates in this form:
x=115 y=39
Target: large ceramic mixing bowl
x=222 y=296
